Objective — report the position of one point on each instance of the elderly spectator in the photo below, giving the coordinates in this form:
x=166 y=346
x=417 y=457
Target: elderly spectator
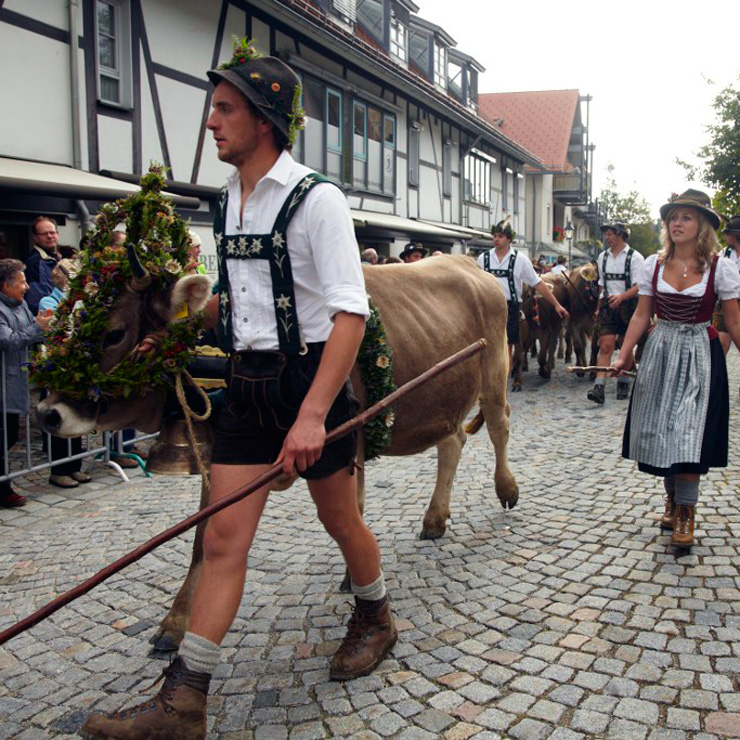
x=41 y=260
x=67 y=474
x=369 y=256
x=18 y=331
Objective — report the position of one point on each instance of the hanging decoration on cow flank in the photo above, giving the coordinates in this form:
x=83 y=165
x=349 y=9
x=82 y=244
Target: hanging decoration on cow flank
x=69 y=362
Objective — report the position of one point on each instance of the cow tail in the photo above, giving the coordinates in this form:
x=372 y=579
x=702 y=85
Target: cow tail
x=475 y=424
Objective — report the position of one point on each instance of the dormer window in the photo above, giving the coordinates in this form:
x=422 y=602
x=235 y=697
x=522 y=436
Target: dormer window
x=440 y=65
x=371 y=15
x=399 y=39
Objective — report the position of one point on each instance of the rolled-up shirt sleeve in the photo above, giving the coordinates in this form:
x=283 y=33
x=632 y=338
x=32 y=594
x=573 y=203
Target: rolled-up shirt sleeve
x=727 y=279
x=528 y=275
x=335 y=252
x=636 y=267
x=645 y=275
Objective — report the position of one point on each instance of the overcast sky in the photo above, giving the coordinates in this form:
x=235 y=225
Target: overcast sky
x=646 y=63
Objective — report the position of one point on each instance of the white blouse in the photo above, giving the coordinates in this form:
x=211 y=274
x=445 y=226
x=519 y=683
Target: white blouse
x=726 y=280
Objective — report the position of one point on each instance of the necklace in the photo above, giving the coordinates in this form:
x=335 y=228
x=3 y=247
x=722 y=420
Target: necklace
x=685 y=268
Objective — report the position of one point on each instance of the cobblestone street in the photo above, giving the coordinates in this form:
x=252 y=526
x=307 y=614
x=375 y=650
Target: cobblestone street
x=567 y=618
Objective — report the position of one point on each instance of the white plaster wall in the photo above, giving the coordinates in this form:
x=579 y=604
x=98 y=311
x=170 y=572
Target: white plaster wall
x=115 y=139
x=36 y=122
x=53 y=12
x=182 y=112
x=181 y=33
x=151 y=151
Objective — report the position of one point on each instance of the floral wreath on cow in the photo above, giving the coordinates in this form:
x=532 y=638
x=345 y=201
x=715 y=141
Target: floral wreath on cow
x=69 y=362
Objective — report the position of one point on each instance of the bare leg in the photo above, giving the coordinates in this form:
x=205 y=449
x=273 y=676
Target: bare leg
x=336 y=504
x=227 y=540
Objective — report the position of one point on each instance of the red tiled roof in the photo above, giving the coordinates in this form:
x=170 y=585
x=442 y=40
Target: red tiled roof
x=539 y=121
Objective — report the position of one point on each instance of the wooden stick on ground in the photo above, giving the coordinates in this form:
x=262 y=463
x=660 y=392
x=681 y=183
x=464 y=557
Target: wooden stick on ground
x=598 y=369
x=349 y=426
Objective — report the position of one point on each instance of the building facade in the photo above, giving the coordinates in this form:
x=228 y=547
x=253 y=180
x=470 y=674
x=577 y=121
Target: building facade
x=391 y=108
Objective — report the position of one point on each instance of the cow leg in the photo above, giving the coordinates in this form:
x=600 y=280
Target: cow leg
x=448 y=458
x=496 y=413
x=569 y=344
x=542 y=357
x=516 y=366
x=561 y=344
x=172 y=628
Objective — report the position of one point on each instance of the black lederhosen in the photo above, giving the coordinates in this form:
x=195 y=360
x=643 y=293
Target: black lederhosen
x=615 y=320
x=512 y=323
x=264 y=393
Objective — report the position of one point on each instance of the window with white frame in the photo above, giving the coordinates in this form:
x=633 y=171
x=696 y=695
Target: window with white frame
x=440 y=65
x=399 y=40
x=447 y=167
x=477 y=179
x=413 y=155
x=113 y=49
x=389 y=153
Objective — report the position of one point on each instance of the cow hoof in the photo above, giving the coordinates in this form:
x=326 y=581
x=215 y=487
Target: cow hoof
x=516 y=388
x=509 y=500
x=544 y=373
x=164 y=647
x=431 y=533
x=581 y=375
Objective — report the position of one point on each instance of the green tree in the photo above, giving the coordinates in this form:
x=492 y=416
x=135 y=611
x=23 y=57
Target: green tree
x=633 y=210
x=721 y=156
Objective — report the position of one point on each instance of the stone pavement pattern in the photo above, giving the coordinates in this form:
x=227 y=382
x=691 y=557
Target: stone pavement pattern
x=568 y=618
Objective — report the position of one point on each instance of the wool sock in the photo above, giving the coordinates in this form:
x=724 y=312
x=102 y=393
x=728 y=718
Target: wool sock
x=623 y=381
x=600 y=381
x=372 y=597
x=687 y=492
x=200 y=655
x=669 y=484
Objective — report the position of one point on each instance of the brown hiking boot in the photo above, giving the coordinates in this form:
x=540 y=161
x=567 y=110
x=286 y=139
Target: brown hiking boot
x=177 y=711
x=683 y=528
x=669 y=514
x=368 y=640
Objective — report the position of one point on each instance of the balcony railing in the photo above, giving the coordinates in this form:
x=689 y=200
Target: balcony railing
x=570 y=189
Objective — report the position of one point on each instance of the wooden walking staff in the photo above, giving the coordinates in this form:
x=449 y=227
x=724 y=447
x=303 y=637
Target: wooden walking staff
x=598 y=369
x=349 y=426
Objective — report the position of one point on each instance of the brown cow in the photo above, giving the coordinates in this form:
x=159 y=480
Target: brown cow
x=581 y=296
x=430 y=310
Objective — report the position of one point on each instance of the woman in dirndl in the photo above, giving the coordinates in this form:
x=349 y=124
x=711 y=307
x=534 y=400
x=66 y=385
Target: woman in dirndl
x=677 y=425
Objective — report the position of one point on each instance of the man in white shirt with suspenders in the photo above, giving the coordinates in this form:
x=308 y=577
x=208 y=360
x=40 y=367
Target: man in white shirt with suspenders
x=290 y=312
x=512 y=271
x=619 y=266
x=731 y=236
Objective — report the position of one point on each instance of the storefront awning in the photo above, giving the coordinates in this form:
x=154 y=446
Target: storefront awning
x=477 y=234
x=40 y=178
x=407 y=227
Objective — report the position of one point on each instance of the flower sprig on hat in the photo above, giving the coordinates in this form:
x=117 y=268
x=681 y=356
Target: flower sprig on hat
x=244 y=51
x=70 y=360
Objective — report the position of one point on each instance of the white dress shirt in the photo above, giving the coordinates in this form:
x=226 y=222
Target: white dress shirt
x=523 y=271
x=324 y=258
x=557 y=269
x=615 y=265
x=726 y=280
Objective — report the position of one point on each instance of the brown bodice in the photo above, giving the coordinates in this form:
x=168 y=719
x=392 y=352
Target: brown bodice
x=684 y=308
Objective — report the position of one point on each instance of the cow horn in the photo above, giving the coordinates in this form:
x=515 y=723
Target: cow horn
x=141 y=278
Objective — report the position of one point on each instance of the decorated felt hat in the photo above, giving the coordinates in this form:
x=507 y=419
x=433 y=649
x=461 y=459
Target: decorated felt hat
x=694 y=199
x=412 y=247
x=267 y=82
x=618 y=227
x=504 y=227
x=733 y=225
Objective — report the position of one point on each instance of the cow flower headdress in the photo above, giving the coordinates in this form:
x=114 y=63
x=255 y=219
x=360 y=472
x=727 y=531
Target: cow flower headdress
x=69 y=362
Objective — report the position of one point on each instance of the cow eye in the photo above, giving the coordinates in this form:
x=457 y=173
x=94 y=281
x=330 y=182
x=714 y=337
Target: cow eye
x=113 y=337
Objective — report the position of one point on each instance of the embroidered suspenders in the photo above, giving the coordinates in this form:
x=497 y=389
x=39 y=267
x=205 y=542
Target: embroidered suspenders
x=508 y=273
x=272 y=247
x=626 y=276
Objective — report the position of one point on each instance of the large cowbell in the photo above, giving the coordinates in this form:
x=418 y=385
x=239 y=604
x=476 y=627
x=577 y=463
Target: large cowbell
x=172 y=453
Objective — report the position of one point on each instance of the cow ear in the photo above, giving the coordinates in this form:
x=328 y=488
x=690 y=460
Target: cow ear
x=189 y=296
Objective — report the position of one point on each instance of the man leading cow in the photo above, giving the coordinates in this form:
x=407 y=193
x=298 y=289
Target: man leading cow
x=292 y=321
x=512 y=271
x=618 y=266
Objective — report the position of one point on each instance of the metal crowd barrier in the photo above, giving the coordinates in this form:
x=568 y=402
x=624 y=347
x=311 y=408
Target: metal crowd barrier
x=33 y=450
